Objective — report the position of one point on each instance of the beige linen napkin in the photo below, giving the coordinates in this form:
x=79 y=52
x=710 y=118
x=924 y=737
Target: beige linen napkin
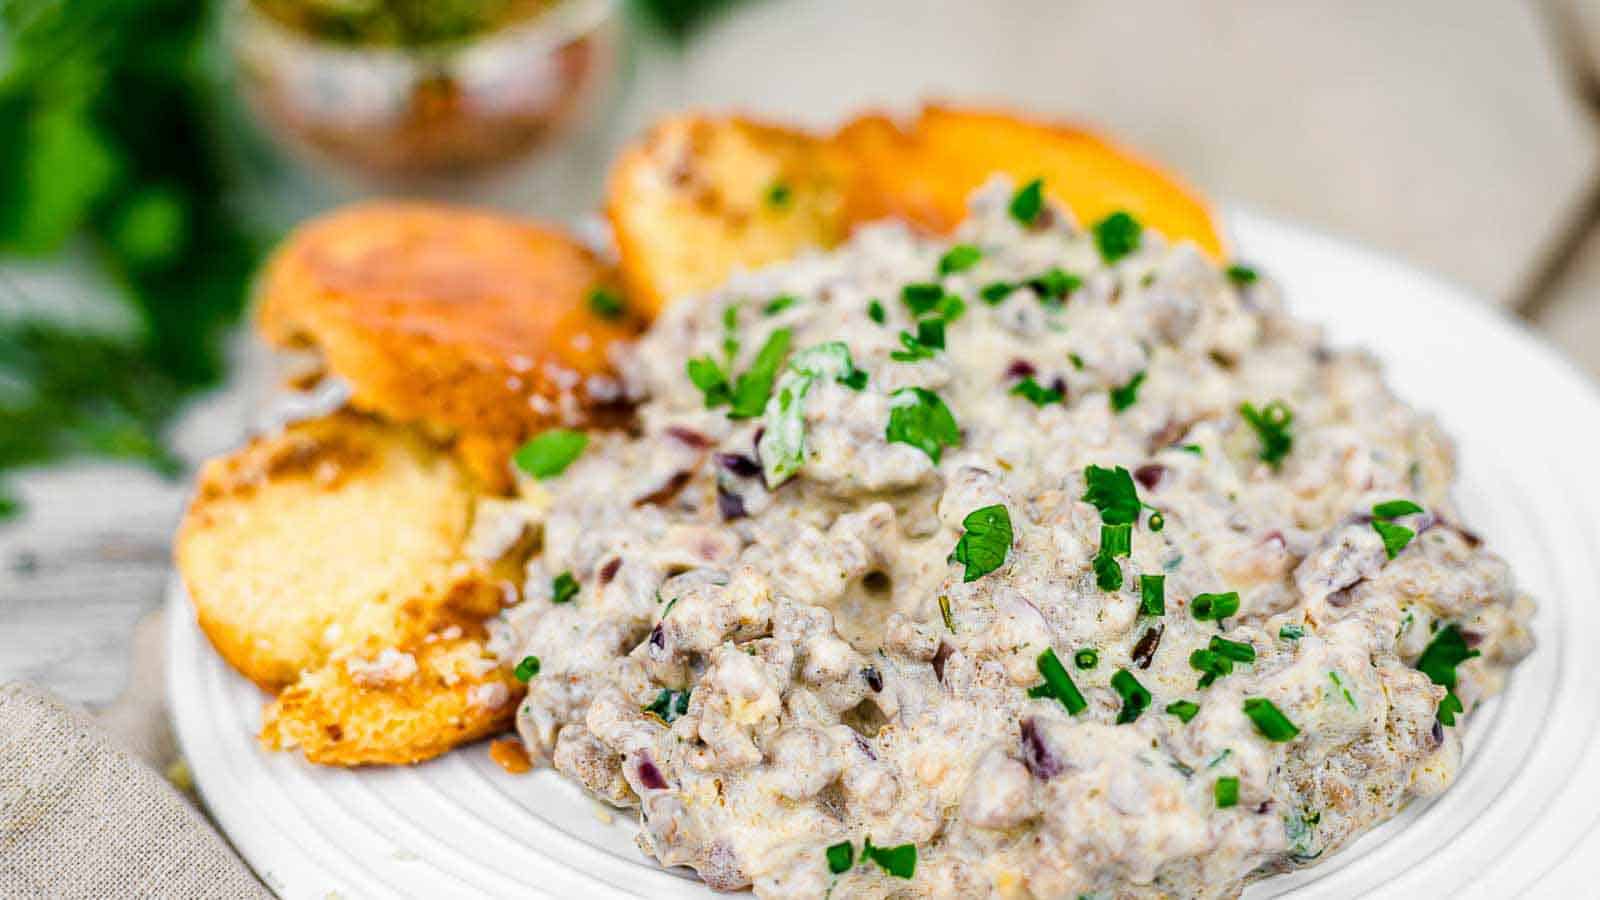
x=81 y=818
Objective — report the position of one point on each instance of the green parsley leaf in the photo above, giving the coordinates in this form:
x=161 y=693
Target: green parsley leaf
x=959 y=258
x=1028 y=201
x=985 y=541
x=841 y=857
x=1127 y=395
x=1291 y=632
x=1214 y=606
x=1112 y=492
x=996 y=291
x=1036 y=393
x=1271 y=424
x=705 y=374
x=1087 y=658
x=1135 y=699
x=563 y=588
x=1183 y=709
x=778 y=304
x=1394 y=509
x=1242 y=275
x=1060 y=683
x=605 y=304
x=1395 y=537
x=1226 y=791
x=549 y=454
x=1152 y=595
x=1117 y=235
x=1054 y=286
x=1438 y=661
x=901 y=861
x=779 y=194
x=527 y=669
x=669 y=705
x=751 y=391
x=1270 y=721
x=1238 y=651
x=918 y=417
x=875 y=311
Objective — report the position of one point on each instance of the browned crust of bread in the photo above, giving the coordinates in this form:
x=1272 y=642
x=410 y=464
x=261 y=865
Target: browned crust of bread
x=465 y=322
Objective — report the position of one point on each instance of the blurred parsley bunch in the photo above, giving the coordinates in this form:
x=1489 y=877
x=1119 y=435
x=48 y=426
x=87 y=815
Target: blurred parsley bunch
x=103 y=107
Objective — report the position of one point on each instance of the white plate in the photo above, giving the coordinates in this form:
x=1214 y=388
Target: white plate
x=1520 y=820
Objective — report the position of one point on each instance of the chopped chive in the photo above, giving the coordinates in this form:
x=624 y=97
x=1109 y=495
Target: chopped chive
x=1238 y=651
x=1060 y=683
x=1226 y=791
x=779 y=304
x=959 y=258
x=1291 y=632
x=875 y=311
x=1211 y=664
x=901 y=861
x=922 y=297
x=1271 y=424
x=1028 y=201
x=563 y=588
x=1242 y=275
x=1135 y=699
x=1153 y=595
x=527 y=670
x=996 y=291
x=1116 y=540
x=1036 y=393
x=1183 y=709
x=1087 y=658
x=1126 y=396
x=1215 y=606
x=841 y=857
x=1270 y=721
x=1196 y=449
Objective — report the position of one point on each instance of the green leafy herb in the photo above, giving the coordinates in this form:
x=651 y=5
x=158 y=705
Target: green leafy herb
x=918 y=417
x=1054 y=286
x=1107 y=572
x=1226 y=791
x=1058 y=683
x=1117 y=235
x=751 y=391
x=913 y=352
x=1291 y=632
x=1135 y=699
x=1116 y=540
x=1195 y=449
x=995 y=292
x=1211 y=665
x=1152 y=595
x=1270 y=721
x=1036 y=393
x=1215 y=606
x=782 y=444
x=778 y=304
x=985 y=541
x=605 y=304
x=959 y=258
x=669 y=705
x=1087 y=658
x=1238 y=651
x=1242 y=275
x=1438 y=661
x=1076 y=360
x=876 y=312
x=1394 y=509
x=1183 y=709
x=705 y=374
x=841 y=857
x=1127 y=395
x=563 y=588
x=901 y=861
x=527 y=669
x=779 y=194
x=1338 y=685
x=1395 y=537
x=1111 y=491
x=549 y=454
x=922 y=297
x=1271 y=424
x=1028 y=201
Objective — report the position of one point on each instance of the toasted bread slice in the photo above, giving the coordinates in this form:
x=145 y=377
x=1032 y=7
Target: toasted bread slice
x=465 y=322
x=338 y=534
x=923 y=172
x=699 y=197
x=399 y=707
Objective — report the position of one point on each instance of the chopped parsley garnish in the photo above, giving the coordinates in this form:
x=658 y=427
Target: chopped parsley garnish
x=1035 y=393
x=1238 y=651
x=1112 y=492
x=841 y=857
x=605 y=304
x=985 y=541
x=1152 y=595
x=1087 y=658
x=1215 y=606
x=1058 y=684
x=782 y=444
x=1054 y=286
x=669 y=705
x=1135 y=699
x=1211 y=665
x=1028 y=201
x=922 y=297
x=1270 y=721
x=1271 y=424
x=1242 y=275
x=778 y=304
x=901 y=861
x=751 y=391
x=779 y=194
x=1127 y=395
x=705 y=374
x=914 y=350
x=1183 y=709
x=918 y=417
x=1291 y=632
x=563 y=588
x=549 y=454
x=527 y=670
x=875 y=311
x=959 y=258
x=1395 y=537
x=1117 y=235
x=996 y=291
x=1226 y=790
x=1438 y=661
